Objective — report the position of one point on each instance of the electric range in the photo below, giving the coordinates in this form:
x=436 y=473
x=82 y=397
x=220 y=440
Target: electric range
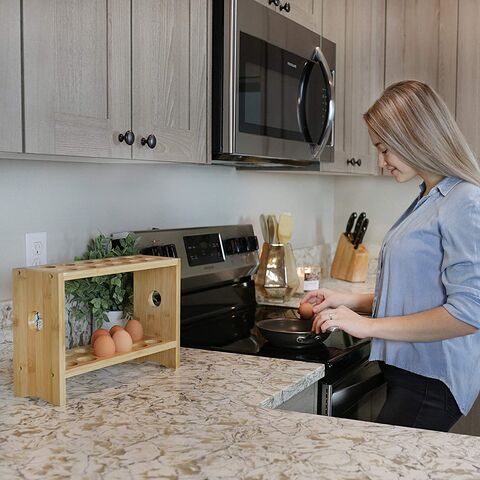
x=219 y=310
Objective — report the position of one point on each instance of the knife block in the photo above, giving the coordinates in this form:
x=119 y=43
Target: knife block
x=349 y=264
x=41 y=364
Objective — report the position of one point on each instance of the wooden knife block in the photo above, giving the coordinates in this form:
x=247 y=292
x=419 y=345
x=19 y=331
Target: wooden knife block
x=349 y=264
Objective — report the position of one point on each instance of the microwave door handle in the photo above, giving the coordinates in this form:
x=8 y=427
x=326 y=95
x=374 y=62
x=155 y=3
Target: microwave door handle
x=301 y=104
x=319 y=58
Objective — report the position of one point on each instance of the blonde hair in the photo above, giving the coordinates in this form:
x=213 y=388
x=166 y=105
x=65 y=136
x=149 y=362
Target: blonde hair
x=413 y=121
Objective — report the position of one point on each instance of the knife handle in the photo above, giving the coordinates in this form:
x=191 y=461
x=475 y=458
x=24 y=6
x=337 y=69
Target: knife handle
x=350 y=222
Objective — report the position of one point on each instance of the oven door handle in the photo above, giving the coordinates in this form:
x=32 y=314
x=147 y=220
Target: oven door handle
x=320 y=59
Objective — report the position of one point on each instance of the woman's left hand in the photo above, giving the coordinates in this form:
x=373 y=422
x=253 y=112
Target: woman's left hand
x=344 y=318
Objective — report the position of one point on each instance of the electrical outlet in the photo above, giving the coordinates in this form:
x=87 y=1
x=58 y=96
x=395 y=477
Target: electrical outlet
x=36 y=248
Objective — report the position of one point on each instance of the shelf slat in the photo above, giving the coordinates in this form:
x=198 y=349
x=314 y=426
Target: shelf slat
x=94 y=364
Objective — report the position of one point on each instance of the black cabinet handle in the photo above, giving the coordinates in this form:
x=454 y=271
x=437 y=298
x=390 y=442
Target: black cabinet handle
x=285 y=6
x=353 y=162
x=151 y=141
x=275 y=2
x=128 y=137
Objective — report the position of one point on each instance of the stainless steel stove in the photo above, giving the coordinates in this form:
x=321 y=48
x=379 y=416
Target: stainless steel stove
x=219 y=312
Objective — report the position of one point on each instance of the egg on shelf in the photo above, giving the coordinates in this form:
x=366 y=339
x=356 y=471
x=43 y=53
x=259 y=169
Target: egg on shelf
x=135 y=329
x=98 y=333
x=115 y=328
x=123 y=341
x=104 y=346
x=306 y=311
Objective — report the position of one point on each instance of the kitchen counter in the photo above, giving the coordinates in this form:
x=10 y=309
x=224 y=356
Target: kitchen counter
x=211 y=418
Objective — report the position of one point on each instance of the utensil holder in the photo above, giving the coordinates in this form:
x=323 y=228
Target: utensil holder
x=349 y=264
x=40 y=363
x=276 y=279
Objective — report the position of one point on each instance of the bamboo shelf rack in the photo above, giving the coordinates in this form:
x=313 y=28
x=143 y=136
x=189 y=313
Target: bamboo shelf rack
x=41 y=363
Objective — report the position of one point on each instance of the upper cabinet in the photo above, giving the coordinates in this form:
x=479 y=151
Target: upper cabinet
x=77 y=77
x=10 y=77
x=468 y=73
x=88 y=80
x=358 y=29
x=169 y=65
x=421 y=44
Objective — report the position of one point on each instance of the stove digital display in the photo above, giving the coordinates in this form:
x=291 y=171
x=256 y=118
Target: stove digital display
x=204 y=249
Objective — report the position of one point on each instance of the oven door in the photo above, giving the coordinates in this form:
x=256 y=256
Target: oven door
x=358 y=395
x=279 y=92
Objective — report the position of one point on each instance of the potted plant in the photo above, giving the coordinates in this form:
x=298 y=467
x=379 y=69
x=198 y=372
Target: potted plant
x=90 y=299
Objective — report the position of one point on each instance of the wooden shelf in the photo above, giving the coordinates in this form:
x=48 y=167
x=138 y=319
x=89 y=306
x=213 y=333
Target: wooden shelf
x=40 y=363
x=81 y=359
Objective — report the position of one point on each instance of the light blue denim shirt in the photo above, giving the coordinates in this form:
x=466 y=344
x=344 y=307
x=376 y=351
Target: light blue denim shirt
x=431 y=258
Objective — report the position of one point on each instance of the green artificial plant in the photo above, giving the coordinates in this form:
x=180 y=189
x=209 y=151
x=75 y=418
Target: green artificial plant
x=91 y=298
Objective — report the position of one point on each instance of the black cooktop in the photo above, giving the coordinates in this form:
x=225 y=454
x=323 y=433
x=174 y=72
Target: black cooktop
x=233 y=329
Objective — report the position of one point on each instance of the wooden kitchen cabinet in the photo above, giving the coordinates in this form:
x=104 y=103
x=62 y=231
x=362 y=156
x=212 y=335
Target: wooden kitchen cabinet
x=468 y=73
x=10 y=77
x=358 y=29
x=421 y=44
x=88 y=79
x=77 y=77
x=169 y=78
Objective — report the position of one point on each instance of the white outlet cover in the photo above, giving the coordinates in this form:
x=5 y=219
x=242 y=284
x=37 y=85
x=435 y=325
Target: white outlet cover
x=36 y=249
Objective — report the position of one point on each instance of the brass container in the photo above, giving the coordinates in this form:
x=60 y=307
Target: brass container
x=276 y=279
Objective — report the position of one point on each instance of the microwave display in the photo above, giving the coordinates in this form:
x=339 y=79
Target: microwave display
x=272 y=101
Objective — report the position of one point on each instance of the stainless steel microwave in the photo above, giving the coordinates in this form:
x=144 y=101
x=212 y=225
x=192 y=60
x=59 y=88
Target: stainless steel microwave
x=273 y=97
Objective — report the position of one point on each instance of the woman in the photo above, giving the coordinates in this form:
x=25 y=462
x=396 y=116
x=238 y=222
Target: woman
x=426 y=305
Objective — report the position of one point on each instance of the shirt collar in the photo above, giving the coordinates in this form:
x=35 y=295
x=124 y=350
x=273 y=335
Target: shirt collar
x=443 y=186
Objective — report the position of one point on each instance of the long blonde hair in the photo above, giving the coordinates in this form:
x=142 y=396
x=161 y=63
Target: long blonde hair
x=413 y=121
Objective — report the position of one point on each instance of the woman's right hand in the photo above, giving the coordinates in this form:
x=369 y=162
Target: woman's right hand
x=324 y=298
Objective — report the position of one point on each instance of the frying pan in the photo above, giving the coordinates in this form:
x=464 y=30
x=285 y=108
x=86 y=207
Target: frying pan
x=291 y=333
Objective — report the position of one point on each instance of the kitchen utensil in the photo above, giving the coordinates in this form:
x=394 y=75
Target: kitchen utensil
x=358 y=225
x=350 y=222
x=276 y=279
x=272 y=228
x=264 y=227
x=292 y=333
x=285 y=228
x=361 y=234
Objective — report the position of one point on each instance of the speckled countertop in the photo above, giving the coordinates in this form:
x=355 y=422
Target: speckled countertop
x=208 y=420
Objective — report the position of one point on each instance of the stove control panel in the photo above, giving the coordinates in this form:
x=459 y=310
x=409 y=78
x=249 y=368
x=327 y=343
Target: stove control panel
x=237 y=245
x=168 y=250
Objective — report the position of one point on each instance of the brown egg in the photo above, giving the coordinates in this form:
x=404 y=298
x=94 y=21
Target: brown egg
x=98 y=333
x=115 y=328
x=306 y=310
x=135 y=329
x=104 y=346
x=123 y=341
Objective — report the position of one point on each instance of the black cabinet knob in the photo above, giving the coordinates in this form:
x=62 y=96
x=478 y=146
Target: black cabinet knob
x=353 y=162
x=275 y=2
x=285 y=6
x=128 y=137
x=151 y=141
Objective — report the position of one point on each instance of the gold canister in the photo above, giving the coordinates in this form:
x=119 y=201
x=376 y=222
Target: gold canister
x=276 y=279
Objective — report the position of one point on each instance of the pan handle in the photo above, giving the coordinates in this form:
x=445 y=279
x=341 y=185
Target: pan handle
x=309 y=338
x=313 y=337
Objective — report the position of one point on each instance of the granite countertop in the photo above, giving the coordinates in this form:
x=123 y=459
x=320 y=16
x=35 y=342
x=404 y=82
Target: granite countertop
x=211 y=418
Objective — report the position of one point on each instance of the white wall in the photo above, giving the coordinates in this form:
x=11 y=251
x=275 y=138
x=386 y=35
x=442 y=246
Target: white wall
x=74 y=201
x=381 y=198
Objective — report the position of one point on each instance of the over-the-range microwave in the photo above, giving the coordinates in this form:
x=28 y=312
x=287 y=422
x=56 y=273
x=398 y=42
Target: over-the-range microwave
x=273 y=89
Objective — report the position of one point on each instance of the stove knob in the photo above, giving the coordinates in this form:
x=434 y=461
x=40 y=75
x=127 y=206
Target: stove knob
x=229 y=246
x=242 y=244
x=252 y=243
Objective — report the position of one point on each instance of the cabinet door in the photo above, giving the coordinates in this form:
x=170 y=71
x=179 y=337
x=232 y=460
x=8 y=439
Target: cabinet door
x=10 y=77
x=421 y=44
x=77 y=77
x=169 y=78
x=358 y=29
x=468 y=87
